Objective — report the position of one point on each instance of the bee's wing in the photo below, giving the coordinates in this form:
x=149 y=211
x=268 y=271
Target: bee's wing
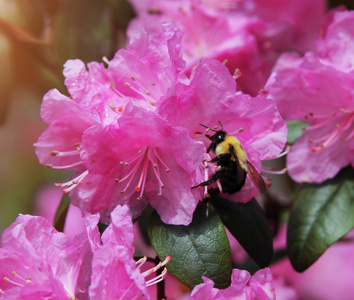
x=256 y=178
x=240 y=171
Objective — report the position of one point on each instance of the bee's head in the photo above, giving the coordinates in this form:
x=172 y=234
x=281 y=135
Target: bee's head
x=218 y=137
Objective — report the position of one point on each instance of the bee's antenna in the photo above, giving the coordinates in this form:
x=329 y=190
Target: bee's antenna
x=208 y=128
x=222 y=128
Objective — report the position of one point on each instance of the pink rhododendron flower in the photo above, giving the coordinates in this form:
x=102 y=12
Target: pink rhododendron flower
x=249 y=34
x=141 y=76
x=318 y=89
x=211 y=97
x=37 y=262
x=115 y=274
x=144 y=160
x=243 y=286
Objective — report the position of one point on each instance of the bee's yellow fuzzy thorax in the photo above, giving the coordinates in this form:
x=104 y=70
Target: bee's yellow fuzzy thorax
x=224 y=148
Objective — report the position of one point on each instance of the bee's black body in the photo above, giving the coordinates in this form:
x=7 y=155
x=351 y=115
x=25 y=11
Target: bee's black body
x=231 y=173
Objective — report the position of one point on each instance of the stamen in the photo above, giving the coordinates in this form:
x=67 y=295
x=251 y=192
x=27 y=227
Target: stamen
x=158 y=278
x=118 y=109
x=142 y=180
x=271 y=170
x=66 y=153
x=72 y=183
x=285 y=152
x=237 y=74
x=158 y=266
x=160 y=159
x=141 y=262
x=66 y=167
x=105 y=59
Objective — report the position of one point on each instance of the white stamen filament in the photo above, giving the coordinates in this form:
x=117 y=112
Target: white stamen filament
x=343 y=130
x=158 y=278
x=66 y=167
x=142 y=161
x=272 y=170
x=65 y=153
x=72 y=183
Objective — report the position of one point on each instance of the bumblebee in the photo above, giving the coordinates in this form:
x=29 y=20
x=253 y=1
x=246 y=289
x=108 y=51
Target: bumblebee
x=232 y=164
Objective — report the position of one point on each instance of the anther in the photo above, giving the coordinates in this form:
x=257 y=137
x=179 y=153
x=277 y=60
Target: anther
x=132 y=77
x=146 y=92
x=54 y=153
x=126 y=164
x=167 y=170
x=49 y=165
x=127 y=84
x=116 y=180
x=153 y=83
x=225 y=62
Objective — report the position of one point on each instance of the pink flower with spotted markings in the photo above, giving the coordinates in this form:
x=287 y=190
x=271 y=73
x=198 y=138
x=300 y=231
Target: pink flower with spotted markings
x=318 y=89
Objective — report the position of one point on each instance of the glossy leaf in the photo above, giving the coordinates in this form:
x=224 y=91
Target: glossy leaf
x=247 y=223
x=199 y=249
x=322 y=215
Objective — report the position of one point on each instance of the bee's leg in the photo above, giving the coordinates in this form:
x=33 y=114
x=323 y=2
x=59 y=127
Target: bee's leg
x=213 y=179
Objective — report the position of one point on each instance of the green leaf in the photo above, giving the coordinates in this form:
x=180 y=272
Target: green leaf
x=295 y=130
x=322 y=215
x=248 y=224
x=60 y=214
x=199 y=249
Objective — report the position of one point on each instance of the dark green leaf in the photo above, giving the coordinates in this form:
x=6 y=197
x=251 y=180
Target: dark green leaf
x=322 y=214
x=199 y=249
x=247 y=223
x=295 y=130
x=60 y=214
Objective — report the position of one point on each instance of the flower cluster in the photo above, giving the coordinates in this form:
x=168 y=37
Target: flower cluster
x=135 y=130
x=249 y=35
x=131 y=130
x=317 y=88
x=37 y=262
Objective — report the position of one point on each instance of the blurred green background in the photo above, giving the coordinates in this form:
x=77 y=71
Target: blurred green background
x=36 y=38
